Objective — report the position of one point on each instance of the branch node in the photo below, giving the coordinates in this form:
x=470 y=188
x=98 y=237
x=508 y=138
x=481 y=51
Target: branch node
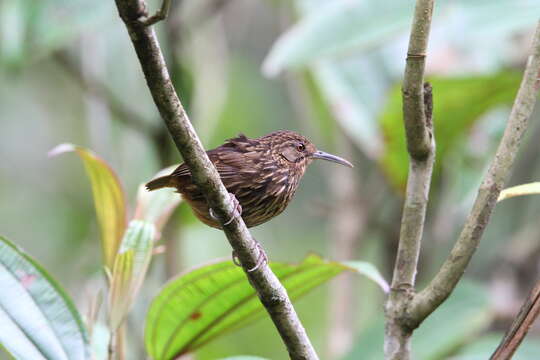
x=416 y=56
x=160 y=15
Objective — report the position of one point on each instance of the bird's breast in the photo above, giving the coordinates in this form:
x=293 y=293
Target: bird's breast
x=267 y=199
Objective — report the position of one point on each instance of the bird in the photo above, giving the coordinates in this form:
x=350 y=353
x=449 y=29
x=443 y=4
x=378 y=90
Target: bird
x=261 y=174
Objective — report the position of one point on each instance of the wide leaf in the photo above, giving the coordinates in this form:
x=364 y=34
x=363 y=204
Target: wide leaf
x=108 y=199
x=37 y=318
x=209 y=301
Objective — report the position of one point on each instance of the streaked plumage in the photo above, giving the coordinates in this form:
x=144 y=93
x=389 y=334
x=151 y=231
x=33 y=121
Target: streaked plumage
x=262 y=173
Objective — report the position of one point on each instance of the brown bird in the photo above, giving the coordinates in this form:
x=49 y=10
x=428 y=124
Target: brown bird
x=262 y=174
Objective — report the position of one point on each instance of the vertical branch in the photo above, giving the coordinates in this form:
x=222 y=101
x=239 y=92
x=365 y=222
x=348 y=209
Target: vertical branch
x=417 y=113
x=417 y=129
x=270 y=291
x=442 y=285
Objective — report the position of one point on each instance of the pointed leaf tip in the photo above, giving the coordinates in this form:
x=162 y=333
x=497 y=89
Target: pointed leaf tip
x=109 y=199
x=60 y=149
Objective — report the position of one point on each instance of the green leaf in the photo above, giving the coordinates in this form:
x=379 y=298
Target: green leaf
x=204 y=303
x=370 y=271
x=156 y=206
x=520 y=190
x=108 y=199
x=129 y=270
x=37 y=318
x=458 y=102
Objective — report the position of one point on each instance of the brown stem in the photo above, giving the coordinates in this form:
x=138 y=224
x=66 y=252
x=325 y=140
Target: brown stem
x=442 y=285
x=270 y=291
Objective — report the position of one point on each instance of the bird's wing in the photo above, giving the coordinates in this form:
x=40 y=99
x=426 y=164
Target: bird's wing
x=229 y=164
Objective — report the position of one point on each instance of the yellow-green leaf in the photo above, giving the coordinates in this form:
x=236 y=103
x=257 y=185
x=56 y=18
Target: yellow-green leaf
x=108 y=199
x=129 y=269
x=520 y=190
x=205 y=303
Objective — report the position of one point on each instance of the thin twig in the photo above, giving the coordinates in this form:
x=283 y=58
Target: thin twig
x=520 y=327
x=270 y=291
x=442 y=285
x=417 y=117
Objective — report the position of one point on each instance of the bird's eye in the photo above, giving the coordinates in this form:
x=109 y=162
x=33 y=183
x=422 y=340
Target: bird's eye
x=300 y=147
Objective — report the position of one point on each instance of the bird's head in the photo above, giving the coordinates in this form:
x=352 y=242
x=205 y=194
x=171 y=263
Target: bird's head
x=295 y=151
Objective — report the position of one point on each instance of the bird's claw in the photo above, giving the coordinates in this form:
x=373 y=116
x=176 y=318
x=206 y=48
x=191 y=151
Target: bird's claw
x=236 y=212
x=262 y=258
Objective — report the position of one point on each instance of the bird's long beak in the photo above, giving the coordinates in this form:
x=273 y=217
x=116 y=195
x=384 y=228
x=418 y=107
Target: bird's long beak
x=326 y=156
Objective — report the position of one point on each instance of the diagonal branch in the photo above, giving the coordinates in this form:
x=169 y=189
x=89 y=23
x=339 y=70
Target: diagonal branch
x=270 y=291
x=425 y=302
x=520 y=327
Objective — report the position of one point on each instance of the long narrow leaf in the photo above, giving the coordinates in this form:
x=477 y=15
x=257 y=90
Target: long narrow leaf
x=129 y=269
x=205 y=303
x=520 y=190
x=108 y=199
x=37 y=319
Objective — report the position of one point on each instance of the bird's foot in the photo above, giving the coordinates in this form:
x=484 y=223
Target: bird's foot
x=262 y=258
x=236 y=212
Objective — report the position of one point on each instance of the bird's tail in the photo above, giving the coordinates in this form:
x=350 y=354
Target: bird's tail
x=160 y=182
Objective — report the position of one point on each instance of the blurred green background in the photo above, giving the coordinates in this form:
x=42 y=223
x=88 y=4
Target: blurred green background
x=328 y=69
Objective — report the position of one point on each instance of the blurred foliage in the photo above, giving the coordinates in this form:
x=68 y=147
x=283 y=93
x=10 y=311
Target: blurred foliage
x=30 y=30
x=442 y=333
x=351 y=56
x=458 y=103
x=482 y=348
